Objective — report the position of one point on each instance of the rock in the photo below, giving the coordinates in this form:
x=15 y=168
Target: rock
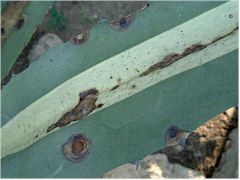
x=157 y=166
x=123 y=171
x=228 y=165
x=196 y=158
x=153 y=166
x=46 y=41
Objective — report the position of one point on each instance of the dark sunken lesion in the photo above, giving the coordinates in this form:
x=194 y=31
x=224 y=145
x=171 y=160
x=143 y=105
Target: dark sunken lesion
x=76 y=148
x=114 y=87
x=20 y=23
x=85 y=106
x=80 y=39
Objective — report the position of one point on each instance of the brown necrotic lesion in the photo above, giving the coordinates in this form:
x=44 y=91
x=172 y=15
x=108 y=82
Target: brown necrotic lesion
x=76 y=148
x=168 y=60
x=174 y=57
x=86 y=105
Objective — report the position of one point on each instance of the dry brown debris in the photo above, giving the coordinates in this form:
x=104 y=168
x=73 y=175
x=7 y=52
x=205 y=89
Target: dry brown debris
x=204 y=146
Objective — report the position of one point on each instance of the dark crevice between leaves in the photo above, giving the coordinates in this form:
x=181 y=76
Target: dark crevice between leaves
x=22 y=61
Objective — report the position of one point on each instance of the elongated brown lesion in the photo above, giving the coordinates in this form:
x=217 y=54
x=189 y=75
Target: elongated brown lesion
x=173 y=57
x=162 y=64
x=86 y=105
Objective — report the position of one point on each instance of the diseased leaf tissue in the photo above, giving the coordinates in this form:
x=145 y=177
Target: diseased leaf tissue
x=85 y=106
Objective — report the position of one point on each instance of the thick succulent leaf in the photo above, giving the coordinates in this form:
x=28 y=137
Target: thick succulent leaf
x=61 y=63
x=134 y=127
x=15 y=43
x=127 y=73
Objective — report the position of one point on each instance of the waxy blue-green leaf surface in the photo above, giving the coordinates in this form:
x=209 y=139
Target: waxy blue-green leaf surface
x=63 y=62
x=133 y=128
x=130 y=129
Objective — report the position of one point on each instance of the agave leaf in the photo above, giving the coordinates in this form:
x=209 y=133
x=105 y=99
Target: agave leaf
x=132 y=128
x=127 y=73
x=18 y=39
x=54 y=68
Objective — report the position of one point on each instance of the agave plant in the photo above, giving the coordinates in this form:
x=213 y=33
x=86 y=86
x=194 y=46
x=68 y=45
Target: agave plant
x=83 y=109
